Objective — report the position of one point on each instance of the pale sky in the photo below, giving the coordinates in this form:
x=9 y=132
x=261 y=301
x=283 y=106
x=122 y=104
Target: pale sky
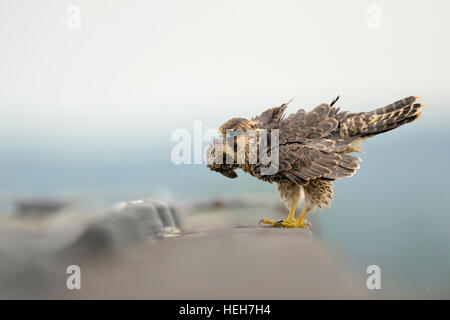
x=135 y=65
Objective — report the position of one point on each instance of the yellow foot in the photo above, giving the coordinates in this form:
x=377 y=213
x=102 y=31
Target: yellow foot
x=287 y=223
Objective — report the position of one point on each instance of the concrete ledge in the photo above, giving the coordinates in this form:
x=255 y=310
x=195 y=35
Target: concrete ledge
x=134 y=250
x=237 y=263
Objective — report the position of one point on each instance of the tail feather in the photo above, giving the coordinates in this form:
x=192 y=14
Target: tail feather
x=397 y=105
x=371 y=123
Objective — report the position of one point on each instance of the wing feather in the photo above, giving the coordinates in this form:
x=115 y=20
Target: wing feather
x=301 y=164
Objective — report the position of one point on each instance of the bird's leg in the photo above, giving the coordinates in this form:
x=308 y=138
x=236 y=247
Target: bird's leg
x=289 y=222
x=301 y=222
x=291 y=216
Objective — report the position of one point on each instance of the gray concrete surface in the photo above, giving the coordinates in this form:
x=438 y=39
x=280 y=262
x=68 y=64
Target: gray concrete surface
x=231 y=263
x=141 y=250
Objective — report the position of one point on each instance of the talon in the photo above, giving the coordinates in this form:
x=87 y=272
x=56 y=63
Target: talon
x=308 y=224
x=285 y=223
x=265 y=221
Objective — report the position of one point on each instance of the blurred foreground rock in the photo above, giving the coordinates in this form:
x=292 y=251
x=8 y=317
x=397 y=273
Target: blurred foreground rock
x=125 y=224
x=37 y=245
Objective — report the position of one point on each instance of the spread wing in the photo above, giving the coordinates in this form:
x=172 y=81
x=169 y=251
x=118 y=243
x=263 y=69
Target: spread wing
x=271 y=118
x=307 y=148
x=301 y=163
x=315 y=144
x=302 y=126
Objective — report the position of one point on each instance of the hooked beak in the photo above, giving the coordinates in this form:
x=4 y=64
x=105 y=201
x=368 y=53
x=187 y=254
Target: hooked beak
x=229 y=174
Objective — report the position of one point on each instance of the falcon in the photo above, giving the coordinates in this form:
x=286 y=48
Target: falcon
x=313 y=148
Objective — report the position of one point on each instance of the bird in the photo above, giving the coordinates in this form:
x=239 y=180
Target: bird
x=313 y=149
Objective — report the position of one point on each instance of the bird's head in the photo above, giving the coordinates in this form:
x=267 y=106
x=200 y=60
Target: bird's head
x=222 y=154
x=218 y=160
x=236 y=124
